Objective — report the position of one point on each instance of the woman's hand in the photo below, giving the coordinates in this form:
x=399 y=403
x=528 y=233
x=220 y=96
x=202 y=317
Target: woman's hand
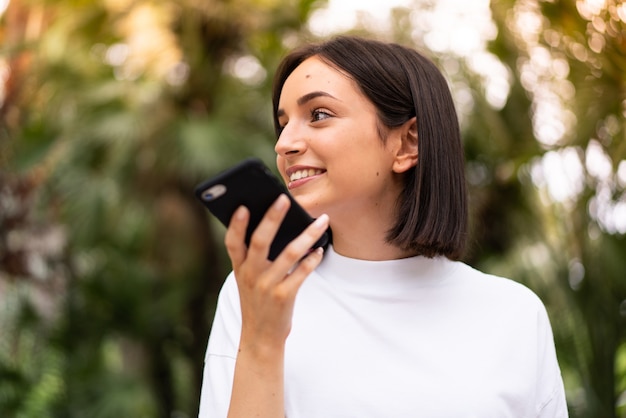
x=268 y=289
x=267 y=292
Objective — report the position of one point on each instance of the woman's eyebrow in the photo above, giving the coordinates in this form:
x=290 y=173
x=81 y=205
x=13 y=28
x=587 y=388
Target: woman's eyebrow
x=307 y=98
x=314 y=94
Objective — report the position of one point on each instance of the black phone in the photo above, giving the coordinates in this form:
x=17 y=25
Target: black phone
x=250 y=183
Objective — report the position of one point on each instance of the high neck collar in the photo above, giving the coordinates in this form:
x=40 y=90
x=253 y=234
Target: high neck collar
x=399 y=274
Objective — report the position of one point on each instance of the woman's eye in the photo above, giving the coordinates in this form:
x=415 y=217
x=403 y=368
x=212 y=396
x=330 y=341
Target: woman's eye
x=319 y=114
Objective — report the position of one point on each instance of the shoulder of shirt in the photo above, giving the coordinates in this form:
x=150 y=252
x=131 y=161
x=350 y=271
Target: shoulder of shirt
x=496 y=285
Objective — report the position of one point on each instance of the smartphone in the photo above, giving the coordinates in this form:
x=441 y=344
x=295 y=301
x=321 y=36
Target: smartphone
x=250 y=183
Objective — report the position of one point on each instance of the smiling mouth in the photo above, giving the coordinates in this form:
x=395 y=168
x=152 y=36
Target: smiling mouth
x=302 y=174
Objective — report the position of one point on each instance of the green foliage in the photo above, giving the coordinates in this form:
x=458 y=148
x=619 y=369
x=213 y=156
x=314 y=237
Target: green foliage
x=114 y=112
x=30 y=372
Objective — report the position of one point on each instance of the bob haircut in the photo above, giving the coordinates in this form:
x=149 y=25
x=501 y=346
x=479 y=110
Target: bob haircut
x=401 y=83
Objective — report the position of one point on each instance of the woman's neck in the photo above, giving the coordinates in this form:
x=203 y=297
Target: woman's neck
x=365 y=244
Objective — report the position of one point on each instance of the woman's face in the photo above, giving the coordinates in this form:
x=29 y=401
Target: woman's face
x=329 y=152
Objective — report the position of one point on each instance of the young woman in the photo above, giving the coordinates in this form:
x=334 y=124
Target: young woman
x=384 y=323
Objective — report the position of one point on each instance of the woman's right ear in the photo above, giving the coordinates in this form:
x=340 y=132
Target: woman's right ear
x=408 y=149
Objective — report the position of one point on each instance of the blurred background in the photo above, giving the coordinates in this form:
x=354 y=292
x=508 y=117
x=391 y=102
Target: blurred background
x=111 y=112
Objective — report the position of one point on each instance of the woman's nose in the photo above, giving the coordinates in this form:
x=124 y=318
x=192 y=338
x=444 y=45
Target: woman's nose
x=290 y=142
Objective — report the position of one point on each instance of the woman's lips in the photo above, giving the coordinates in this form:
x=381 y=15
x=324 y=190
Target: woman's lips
x=304 y=173
x=300 y=176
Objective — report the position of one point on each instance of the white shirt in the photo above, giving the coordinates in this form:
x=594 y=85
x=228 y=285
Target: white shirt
x=415 y=337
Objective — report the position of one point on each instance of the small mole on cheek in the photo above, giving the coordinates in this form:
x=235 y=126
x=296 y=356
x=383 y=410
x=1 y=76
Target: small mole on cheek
x=308 y=76
x=377 y=174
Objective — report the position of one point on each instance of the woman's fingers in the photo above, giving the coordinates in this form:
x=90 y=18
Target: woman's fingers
x=234 y=240
x=301 y=271
x=291 y=258
x=265 y=232
x=262 y=237
x=254 y=257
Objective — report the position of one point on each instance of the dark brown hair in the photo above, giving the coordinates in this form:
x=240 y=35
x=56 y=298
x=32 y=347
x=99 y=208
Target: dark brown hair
x=402 y=83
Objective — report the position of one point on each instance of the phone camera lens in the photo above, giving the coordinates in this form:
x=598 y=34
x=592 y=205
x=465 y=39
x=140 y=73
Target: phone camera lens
x=214 y=192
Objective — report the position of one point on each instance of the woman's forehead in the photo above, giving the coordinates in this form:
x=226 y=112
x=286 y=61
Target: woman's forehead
x=316 y=74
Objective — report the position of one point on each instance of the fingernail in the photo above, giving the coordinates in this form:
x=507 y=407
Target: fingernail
x=321 y=222
x=281 y=202
x=317 y=252
x=240 y=213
